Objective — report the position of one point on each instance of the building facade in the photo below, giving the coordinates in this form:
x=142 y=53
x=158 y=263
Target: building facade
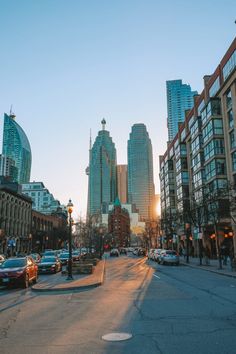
x=140 y=172
x=42 y=200
x=102 y=173
x=15 y=221
x=122 y=183
x=198 y=170
x=16 y=147
x=119 y=225
x=179 y=99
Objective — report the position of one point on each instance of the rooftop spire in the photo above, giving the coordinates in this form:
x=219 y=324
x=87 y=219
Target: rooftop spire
x=12 y=115
x=103 y=124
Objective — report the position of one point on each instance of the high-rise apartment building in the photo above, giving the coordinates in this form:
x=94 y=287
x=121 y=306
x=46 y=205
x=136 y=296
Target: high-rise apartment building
x=17 y=148
x=140 y=171
x=179 y=99
x=198 y=169
x=102 y=173
x=122 y=183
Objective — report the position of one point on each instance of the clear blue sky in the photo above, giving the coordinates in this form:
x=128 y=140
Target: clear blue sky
x=66 y=64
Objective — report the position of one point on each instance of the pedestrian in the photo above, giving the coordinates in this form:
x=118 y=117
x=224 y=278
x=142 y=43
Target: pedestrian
x=207 y=254
x=8 y=252
x=184 y=252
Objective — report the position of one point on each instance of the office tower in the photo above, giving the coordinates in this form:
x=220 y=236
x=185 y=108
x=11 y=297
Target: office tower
x=122 y=183
x=102 y=173
x=17 y=148
x=179 y=99
x=8 y=168
x=140 y=171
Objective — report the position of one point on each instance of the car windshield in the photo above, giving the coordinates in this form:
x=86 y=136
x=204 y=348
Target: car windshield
x=14 y=263
x=34 y=256
x=171 y=252
x=64 y=255
x=48 y=259
x=51 y=253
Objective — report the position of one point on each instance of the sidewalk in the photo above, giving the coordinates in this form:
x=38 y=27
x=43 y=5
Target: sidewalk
x=212 y=267
x=80 y=282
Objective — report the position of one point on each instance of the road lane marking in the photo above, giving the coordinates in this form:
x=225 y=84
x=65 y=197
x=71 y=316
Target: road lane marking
x=156 y=276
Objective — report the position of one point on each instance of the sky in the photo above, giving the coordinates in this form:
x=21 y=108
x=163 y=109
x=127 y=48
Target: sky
x=66 y=64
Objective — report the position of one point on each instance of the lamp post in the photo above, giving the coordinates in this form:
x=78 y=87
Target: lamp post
x=69 y=210
x=101 y=242
x=188 y=232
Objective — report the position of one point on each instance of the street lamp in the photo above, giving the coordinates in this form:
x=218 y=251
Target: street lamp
x=101 y=242
x=188 y=233
x=69 y=210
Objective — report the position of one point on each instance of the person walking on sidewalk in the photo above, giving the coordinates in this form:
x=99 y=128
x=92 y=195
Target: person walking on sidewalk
x=184 y=252
x=207 y=254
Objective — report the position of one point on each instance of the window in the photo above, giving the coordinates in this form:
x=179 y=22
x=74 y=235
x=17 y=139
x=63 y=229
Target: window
x=213 y=108
x=196 y=145
x=229 y=66
x=200 y=107
x=230 y=118
x=196 y=162
x=214 y=168
x=215 y=126
x=228 y=99
x=198 y=179
x=214 y=87
x=214 y=147
x=232 y=140
x=195 y=129
x=234 y=161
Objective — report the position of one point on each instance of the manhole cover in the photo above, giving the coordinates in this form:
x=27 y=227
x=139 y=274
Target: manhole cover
x=116 y=337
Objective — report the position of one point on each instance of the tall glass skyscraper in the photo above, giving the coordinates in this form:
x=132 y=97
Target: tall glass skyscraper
x=140 y=171
x=102 y=173
x=16 y=147
x=179 y=99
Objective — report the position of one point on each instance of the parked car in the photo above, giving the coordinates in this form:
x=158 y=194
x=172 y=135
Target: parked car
x=76 y=255
x=151 y=253
x=18 y=271
x=49 y=265
x=49 y=253
x=157 y=254
x=142 y=252
x=63 y=257
x=114 y=252
x=36 y=257
x=169 y=257
x=2 y=258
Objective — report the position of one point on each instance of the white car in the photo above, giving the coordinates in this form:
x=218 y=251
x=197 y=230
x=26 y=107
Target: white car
x=114 y=252
x=156 y=255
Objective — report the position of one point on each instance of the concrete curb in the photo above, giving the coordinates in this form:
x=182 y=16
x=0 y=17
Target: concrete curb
x=209 y=270
x=74 y=287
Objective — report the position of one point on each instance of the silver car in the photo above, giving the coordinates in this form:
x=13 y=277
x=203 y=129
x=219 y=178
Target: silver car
x=169 y=257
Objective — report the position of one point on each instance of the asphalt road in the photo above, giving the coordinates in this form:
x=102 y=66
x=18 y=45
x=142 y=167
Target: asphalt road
x=167 y=309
